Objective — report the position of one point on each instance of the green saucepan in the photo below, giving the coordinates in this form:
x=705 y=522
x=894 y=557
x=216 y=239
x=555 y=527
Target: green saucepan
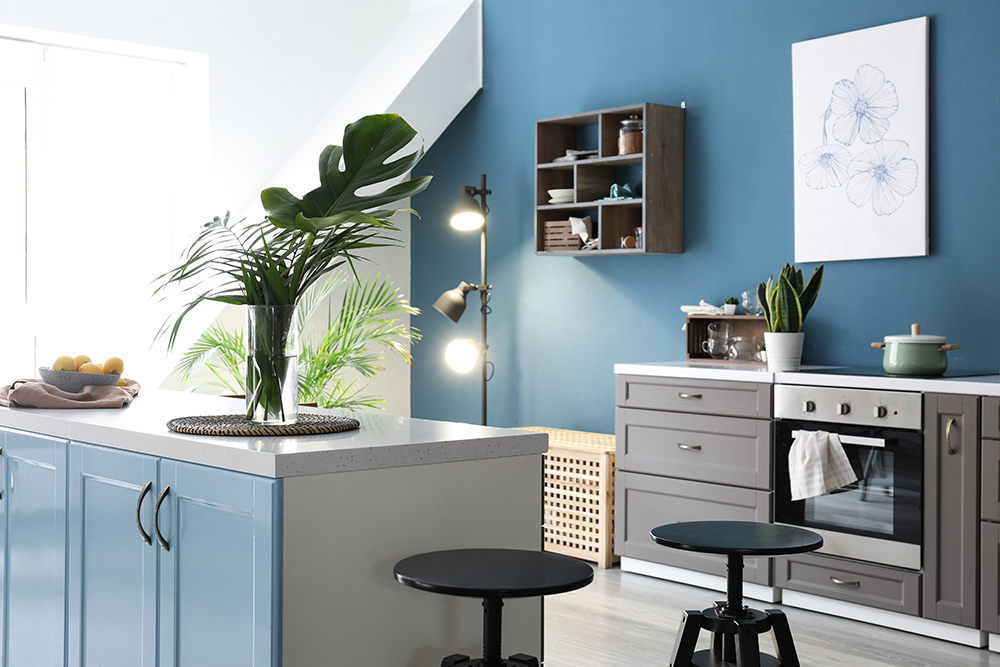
x=915 y=354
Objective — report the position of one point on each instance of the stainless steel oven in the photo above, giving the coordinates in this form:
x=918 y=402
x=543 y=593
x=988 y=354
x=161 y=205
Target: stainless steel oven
x=880 y=517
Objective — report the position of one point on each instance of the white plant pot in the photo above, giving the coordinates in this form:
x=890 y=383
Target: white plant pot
x=729 y=308
x=784 y=350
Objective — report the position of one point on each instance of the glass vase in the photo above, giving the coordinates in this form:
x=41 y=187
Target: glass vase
x=272 y=375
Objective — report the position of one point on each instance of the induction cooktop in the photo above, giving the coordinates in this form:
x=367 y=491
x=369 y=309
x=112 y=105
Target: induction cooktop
x=878 y=371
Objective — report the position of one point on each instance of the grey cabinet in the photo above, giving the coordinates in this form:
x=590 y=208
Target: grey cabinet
x=690 y=450
x=989 y=604
x=951 y=516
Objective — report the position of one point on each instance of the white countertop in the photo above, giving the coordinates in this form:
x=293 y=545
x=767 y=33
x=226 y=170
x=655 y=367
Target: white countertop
x=383 y=441
x=985 y=385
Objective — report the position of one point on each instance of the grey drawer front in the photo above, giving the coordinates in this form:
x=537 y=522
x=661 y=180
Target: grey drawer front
x=990 y=502
x=736 y=399
x=643 y=502
x=705 y=448
x=991 y=417
x=990 y=564
x=877 y=586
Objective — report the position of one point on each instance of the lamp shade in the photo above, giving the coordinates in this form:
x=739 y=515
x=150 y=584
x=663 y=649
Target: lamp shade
x=466 y=214
x=451 y=304
x=462 y=355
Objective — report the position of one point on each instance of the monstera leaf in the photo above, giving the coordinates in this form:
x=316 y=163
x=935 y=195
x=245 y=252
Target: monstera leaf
x=368 y=146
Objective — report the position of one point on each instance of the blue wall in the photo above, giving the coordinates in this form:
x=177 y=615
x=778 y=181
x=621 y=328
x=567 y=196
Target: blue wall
x=560 y=324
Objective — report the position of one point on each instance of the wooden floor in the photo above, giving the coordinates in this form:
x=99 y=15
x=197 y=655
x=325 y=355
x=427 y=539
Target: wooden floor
x=630 y=620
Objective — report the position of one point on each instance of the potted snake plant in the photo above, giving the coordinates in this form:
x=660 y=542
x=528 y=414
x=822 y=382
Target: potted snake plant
x=786 y=302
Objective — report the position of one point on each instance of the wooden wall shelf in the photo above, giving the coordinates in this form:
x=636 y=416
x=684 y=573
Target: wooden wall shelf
x=658 y=210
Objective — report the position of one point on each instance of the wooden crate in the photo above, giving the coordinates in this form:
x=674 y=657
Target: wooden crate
x=580 y=494
x=696 y=328
x=559 y=236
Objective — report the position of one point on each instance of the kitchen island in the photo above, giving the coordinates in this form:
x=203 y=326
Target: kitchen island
x=122 y=542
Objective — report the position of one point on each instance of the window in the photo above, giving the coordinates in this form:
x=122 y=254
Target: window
x=101 y=151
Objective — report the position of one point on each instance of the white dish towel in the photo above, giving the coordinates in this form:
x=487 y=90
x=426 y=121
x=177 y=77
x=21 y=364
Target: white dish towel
x=817 y=464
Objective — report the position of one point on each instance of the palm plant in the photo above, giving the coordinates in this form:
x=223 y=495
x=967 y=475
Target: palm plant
x=332 y=367
x=275 y=261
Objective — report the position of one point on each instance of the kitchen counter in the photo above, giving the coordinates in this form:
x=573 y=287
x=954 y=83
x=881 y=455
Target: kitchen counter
x=287 y=543
x=383 y=441
x=984 y=385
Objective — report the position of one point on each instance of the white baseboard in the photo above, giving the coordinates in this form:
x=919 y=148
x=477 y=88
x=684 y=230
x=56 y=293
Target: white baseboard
x=994 y=642
x=888 y=619
x=709 y=581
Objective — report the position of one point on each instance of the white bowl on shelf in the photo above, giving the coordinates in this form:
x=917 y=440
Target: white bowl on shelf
x=561 y=195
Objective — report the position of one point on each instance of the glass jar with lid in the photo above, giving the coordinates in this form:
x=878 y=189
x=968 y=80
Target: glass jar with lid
x=630 y=136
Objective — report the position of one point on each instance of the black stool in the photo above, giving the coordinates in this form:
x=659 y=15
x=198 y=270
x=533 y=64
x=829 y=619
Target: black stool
x=735 y=627
x=493 y=574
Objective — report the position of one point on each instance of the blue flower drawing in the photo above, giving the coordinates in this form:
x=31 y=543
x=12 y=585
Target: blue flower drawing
x=862 y=107
x=882 y=175
x=826 y=166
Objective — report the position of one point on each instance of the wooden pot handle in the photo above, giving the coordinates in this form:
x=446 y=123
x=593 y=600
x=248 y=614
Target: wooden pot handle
x=878 y=346
x=950 y=346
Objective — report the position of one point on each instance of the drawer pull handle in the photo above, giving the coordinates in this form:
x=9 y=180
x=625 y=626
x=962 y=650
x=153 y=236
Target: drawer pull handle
x=146 y=537
x=841 y=582
x=690 y=447
x=947 y=435
x=683 y=395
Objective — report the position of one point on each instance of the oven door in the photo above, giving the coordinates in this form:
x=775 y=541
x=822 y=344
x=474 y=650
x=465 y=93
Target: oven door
x=879 y=517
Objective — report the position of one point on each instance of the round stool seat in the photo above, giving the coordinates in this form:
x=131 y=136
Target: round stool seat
x=493 y=573
x=743 y=538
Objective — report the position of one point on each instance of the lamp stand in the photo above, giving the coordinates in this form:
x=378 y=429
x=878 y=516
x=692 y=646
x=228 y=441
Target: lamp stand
x=483 y=286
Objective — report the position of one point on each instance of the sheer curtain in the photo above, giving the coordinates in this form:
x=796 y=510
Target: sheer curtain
x=109 y=146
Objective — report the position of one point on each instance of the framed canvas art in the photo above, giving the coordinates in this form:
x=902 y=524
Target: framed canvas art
x=860 y=141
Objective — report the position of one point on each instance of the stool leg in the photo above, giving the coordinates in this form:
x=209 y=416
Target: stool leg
x=783 y=645
x=734 y=586
x=747 y=646
x=492 y=632
x=687 y=639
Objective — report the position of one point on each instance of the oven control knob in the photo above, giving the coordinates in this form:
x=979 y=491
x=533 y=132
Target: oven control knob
x=843 y=408
x=881 y=411
x=808 y=406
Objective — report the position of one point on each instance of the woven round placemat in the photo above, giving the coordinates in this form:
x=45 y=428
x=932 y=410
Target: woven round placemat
x=307 y=424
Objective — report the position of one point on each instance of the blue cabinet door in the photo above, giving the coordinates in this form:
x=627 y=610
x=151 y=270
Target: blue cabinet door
x=111 y=573
x=219 y=568
x=33 y=535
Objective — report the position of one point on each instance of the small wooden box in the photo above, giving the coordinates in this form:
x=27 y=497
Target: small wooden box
x=559 y=236
x=746 y=326
x=579 y=495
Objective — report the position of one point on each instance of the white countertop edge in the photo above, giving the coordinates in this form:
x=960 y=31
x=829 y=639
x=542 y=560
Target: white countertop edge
x=383 y=441
x=985 y=385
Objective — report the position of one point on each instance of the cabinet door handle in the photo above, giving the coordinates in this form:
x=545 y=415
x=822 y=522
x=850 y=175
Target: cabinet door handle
x=947 y=435
x=156 y=517
x=683 y=395
x=690 y=447
x=146 y=537
x=841 y=582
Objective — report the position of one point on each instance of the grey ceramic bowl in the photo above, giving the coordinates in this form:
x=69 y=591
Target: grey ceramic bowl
x=74 y=382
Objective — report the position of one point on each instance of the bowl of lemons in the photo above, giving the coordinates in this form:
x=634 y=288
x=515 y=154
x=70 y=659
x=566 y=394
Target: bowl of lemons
x=72 y=374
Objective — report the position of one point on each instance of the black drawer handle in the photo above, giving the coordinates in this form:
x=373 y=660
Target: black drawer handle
x=689 y=447
x=146 y=537
x=683 y=395
x=841 y=582
x=156 y=518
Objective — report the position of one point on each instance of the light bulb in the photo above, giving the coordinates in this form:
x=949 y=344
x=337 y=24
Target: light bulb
x=462 y=355
x=467 y=221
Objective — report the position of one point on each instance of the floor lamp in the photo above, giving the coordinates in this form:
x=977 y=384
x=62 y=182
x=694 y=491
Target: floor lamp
x=468 y=215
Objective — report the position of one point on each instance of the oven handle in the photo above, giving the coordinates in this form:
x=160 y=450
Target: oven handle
x=854 y=440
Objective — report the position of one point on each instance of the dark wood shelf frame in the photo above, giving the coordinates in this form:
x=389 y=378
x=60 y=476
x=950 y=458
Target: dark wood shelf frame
x=659 y=211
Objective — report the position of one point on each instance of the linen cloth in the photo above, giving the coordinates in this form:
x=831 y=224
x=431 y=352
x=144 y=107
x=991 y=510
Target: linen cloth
x=817 y=464
x=33 y=393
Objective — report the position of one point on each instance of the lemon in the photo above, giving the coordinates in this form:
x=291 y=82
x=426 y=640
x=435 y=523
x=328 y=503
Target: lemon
x=64 y=363
x=113 y=366
x=121 y=383
x=89 y=367
x=80 y=361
